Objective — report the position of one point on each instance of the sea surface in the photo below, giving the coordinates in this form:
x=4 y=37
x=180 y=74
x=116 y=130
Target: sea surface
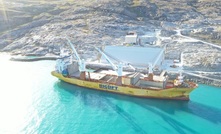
x=34 y=102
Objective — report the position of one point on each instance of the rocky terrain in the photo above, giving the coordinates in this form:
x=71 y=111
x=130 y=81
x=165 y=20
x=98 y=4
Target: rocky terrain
x=39 y=27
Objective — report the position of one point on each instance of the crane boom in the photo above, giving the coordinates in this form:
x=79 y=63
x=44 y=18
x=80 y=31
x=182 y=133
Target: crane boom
x=158 y=57
x=131 y=66
x=73 y=48
x=81 y=63
x=107 y=59
x=119 y=61
x=151 y=66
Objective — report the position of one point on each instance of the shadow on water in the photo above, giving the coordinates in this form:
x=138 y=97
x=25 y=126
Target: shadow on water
x=102 y=101
x=99 y=100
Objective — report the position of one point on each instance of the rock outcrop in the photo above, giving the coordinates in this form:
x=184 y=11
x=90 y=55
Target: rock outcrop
x=39 y=28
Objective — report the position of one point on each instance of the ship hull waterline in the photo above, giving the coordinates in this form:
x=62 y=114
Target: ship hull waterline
x=170 y=93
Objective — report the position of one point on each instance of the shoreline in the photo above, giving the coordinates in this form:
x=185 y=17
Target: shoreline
x=204 y=81
x=33 y=58
x=27 y=59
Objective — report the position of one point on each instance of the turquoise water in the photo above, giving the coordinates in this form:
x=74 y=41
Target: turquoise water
x=32 y=101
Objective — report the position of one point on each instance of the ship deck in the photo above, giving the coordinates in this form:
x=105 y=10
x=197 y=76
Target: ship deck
x=110 y=77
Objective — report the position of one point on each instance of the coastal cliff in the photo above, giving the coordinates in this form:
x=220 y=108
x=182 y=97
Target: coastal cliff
x=186 y=26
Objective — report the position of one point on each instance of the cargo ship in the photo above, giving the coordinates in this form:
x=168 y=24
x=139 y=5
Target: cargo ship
x=120 y=79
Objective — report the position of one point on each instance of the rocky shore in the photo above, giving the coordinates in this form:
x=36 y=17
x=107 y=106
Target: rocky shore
x=190 y=27
x=205 y=81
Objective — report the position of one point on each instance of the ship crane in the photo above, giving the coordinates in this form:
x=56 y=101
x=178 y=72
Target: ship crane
x=119 y=61
x=118 y=69
x=131 y=66
x=151 y=66
x=120 y=66
x=81 y=62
